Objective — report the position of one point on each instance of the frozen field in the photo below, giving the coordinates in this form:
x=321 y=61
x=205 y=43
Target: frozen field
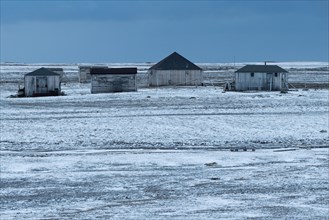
x=166 y=118
x=165 y=184
x=164 y=154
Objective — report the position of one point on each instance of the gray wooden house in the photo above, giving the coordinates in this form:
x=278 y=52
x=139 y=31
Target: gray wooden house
x=175 y=70
x=42 y=82
x=109 y=80
x=84 y=74
x=58 y=70
x=261 y=77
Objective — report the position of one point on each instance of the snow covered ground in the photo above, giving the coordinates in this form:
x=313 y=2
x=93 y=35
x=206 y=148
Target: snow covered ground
x=166 y=118
x=164 y=153
x=164 y=184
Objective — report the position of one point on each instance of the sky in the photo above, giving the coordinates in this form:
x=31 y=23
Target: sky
x=147 y=31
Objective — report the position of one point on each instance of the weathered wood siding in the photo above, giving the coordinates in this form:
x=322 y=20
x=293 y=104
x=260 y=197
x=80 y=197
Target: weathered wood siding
x=280 y=82
x=59 y=71
x=84 y=74
x=260 y=81
x=109 y=83
x=175 y=77
x=38 y=85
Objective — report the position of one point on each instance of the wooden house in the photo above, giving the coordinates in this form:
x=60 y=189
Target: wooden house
x=175 y=70
x=58 y=70
x=42 y=82
x=261 y=77
x=84 y=73
x=109 y=80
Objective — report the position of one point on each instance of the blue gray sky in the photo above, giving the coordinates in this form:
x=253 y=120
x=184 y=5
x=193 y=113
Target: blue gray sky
x=147 y=31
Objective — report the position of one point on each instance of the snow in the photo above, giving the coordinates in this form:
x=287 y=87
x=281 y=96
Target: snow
x=190 y=117
x=162 y=184
x=163 y=153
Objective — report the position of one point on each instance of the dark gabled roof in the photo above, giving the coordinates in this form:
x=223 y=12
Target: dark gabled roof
x=261 y=69
x=175 y=62
x=90 y=66
x=42 y=72
x=55 y=69
x=102 y=70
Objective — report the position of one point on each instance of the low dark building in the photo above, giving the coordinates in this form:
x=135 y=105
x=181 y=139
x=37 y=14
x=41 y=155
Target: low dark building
x=109 y=80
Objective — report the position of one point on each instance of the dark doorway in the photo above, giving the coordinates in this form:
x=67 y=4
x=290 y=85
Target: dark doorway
x=42 y=86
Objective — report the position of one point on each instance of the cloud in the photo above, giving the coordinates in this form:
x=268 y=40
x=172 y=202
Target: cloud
x=96 y=31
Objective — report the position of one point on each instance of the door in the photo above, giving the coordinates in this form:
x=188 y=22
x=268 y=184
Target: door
x=42 y=86
x=269 y=79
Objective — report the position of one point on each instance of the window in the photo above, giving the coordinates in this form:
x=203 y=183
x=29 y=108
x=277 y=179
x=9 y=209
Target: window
x=252 y=74
x=276 y=74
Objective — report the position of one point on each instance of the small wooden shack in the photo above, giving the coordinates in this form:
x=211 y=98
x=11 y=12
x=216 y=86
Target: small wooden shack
x=42 y=82
x=175 y=70
x=261 y=77
x=58 y=70
x=109 y=80
x=84 y=74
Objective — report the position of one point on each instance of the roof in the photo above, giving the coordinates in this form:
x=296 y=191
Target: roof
x=91 y=66
x=261 y=69
x=175 y=62
x=42 y=72
x=105 y=70
x=55 y=69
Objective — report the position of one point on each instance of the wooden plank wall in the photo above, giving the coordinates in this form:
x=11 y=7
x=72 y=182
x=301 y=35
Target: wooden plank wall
x=30 y=87
x=244 y=81
x=108 y=83
x=84 y=75
x=175 y=77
